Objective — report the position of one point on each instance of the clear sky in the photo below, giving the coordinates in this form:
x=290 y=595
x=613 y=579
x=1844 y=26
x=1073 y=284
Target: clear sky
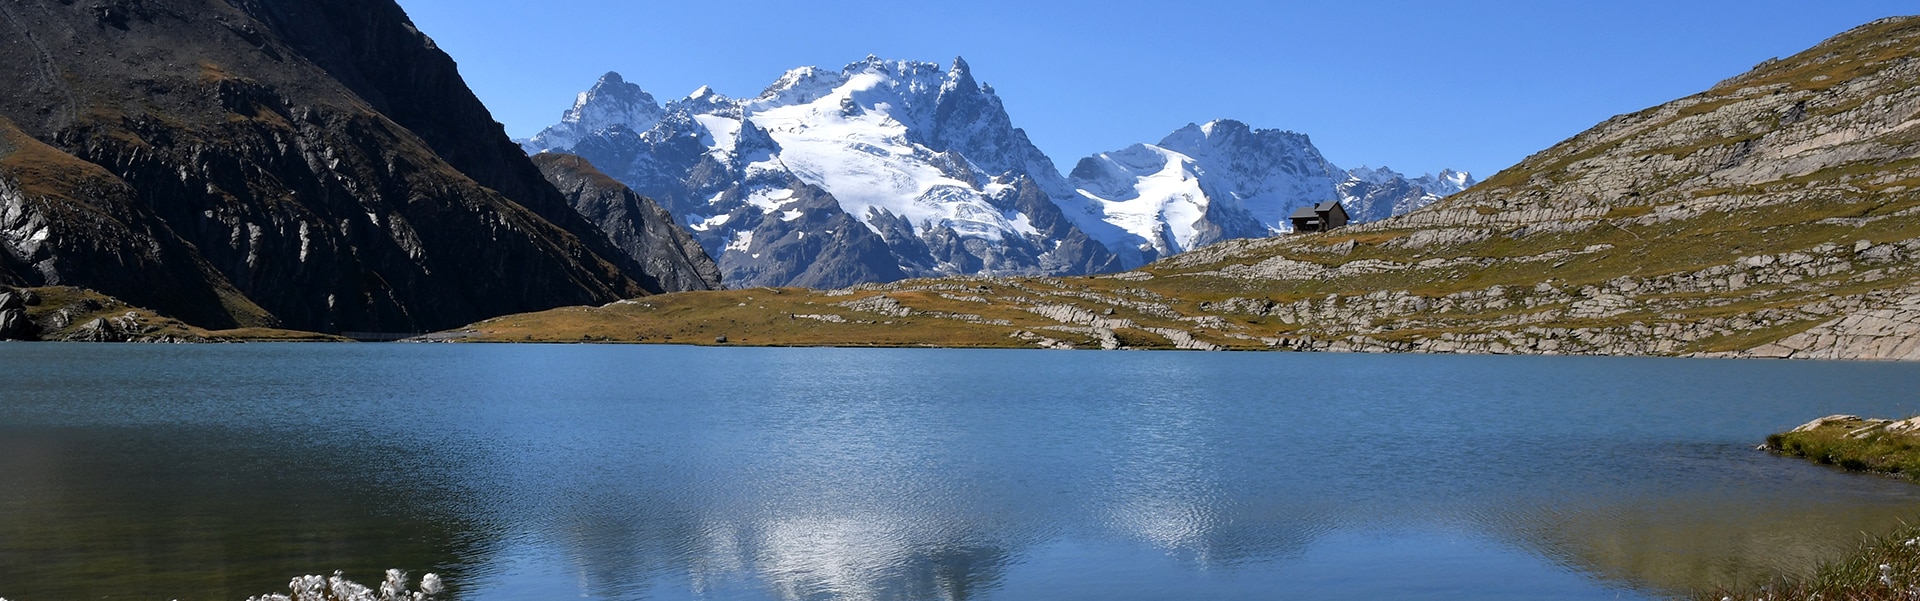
x=1413 y=85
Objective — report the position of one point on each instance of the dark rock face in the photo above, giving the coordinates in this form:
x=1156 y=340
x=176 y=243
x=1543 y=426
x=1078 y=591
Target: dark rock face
x=303 y=163
x=670 y=258
x=67 y=221
x=14 y=324
x=820 y=246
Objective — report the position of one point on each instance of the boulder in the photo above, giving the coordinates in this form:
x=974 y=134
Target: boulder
x=1818 y=423
x=10 y=300
x=14 y=325
x=98 y=330
x=31 y=298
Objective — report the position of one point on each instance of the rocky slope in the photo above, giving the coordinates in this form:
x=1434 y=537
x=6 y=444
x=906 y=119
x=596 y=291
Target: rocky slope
x=314 y=165
x=644 y=231
x=1775 y=215
x=930 y=165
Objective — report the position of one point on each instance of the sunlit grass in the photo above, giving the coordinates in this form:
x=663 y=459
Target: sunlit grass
x=1878 y=446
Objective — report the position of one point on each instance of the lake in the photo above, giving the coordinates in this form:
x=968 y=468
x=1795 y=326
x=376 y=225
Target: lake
x=657 y=472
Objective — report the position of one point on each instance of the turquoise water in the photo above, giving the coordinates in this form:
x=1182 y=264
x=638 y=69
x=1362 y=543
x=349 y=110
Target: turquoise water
x=645 y=472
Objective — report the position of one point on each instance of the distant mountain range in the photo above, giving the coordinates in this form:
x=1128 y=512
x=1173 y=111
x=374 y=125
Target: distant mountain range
x=884 y=170
x=1776 y=214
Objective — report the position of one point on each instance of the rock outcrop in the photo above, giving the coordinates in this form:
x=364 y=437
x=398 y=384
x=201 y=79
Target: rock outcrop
x=1891 y=333
x=14 y=324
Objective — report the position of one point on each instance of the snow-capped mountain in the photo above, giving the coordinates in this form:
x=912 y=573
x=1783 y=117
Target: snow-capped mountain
x=878 y=171
x=611 y=102
x=1222 y=180
x=890 y=169
x=1374 y=194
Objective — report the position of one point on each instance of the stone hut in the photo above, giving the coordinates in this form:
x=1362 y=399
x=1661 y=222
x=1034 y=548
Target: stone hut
x=1320 y=217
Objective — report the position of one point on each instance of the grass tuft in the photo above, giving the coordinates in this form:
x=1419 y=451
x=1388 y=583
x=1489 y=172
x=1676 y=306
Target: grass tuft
x=1884 y=568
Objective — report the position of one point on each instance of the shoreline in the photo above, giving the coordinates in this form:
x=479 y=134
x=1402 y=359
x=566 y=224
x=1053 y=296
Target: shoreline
x=1886 y=566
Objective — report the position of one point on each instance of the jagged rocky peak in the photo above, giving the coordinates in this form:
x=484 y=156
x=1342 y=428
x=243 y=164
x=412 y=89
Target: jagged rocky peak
x=1227 y=137
x=1447 y=182
x=611 y=102
x=1371 y=194
x=1451 y=181
x=920 y=156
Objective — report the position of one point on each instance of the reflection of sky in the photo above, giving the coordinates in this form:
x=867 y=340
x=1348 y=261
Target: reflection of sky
x=681 y=473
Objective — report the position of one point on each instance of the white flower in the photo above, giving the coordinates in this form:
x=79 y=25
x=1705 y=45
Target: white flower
x=1886 y=575
x=430 y=584
x=395 y=587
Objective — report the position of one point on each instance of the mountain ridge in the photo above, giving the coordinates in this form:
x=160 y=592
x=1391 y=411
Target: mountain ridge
x=1776 y=214
x=927 y=158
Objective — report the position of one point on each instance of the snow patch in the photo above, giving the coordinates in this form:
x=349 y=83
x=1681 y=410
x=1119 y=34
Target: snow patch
x=742 y=240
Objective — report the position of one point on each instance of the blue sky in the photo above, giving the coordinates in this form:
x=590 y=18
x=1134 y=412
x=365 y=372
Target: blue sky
x=1417 y=86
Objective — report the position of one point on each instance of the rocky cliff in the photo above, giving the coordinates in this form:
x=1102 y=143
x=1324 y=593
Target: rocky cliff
x=670 y=258
x=314 y=165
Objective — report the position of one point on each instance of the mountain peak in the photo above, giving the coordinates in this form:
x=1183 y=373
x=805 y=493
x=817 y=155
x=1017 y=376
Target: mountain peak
x=1230 y=136
x=960 y=77
x=613 y=101
x=610 y=103
x=870 y=63
x=1375 y=175
x=1223 y=125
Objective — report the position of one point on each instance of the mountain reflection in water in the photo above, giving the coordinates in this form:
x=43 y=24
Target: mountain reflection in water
x=614 y=472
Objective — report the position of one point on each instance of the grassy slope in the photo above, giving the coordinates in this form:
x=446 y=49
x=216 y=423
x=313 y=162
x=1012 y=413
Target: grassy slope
x=84 y=306
x=1854 y=445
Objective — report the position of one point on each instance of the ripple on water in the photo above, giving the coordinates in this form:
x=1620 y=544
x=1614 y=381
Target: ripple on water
x=622 y=473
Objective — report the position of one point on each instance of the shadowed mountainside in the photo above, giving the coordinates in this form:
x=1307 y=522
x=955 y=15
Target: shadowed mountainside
x=635 y=224
x=298 y=163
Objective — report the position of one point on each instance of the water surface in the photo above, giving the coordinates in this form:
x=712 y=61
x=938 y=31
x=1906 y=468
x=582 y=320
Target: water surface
x=645 y=472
